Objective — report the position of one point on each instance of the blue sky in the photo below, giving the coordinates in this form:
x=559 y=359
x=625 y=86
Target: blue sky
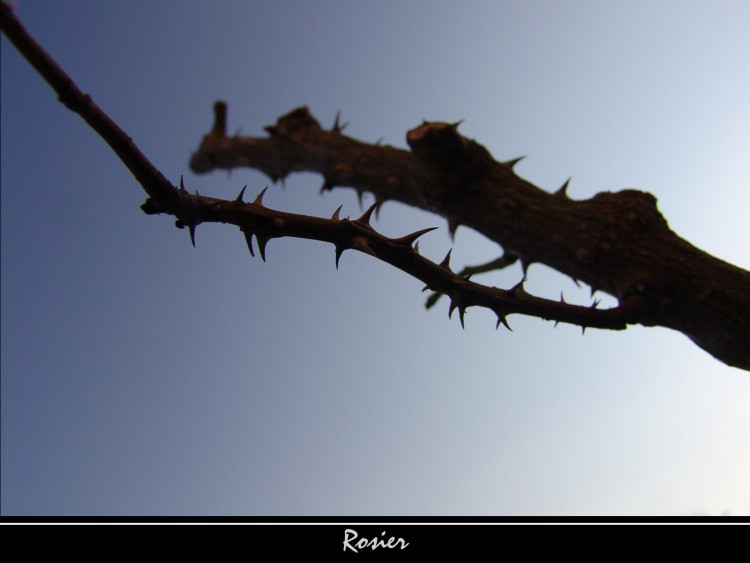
x=143 y=376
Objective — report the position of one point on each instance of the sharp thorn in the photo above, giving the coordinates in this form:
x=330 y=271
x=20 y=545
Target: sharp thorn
x=262 y=241
x=447 y=260
x=556 y=323
x=259 y=198
x=583 y=330
x=562 y=299
x=501 y=319
x=595 y=304
x=563 y=191
x=593 y=290
x=514 y=161
x=455 y=124
x=238 y=199
x=461 y=312
x=364 y=220
x=249 y=240
x=451 y=308
x=409 y=239
x=337 y=127
x=335 y=216
x=191 y=228
x=182 y=185
x=416 y=247
x=518 y=288
x=339 y=252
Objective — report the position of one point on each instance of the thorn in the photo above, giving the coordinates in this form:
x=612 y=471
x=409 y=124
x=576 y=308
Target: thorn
x=364 y=220
x=409 y=239
x=447 y=260
x=337 y=128
x=182 y=185
x=583 y=330
x=595 y=304
x=339 y=252
x=501 y=319
x=593 y=290
x=563 y=191
x=468 y=277
x=196 y=193
x=259 y=197
x=513 y=162
x=238 y=199
x=335 y=216
x=416 y=247
x=191 y=228
x=451 y=308
x=426 y=288
x=452 y=226
x=556 y=323
x=461 y=312
x=262 y=241
x=249 y=241
x=455 y=124
x=518 y=288
x=562 y=299
x=377 y=143
x=575 y=281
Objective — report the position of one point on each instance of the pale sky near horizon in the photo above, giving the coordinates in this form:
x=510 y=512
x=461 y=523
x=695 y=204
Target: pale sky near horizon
x=142 y=376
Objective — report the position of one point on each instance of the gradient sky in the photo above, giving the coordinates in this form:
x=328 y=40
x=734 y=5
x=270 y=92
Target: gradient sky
x=141 y=376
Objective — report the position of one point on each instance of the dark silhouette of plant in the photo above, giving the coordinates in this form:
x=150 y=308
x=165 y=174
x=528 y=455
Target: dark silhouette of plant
x=617 y=243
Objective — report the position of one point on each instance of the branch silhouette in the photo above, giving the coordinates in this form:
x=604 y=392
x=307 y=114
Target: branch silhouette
x=616 y=242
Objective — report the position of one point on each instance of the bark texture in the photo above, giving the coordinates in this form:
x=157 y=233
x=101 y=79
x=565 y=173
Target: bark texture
x=618 y=243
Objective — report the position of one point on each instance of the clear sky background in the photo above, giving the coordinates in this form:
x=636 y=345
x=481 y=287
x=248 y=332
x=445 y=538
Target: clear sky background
x=143 y=376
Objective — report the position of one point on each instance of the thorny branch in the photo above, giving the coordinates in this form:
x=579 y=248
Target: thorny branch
x=610 y=241
x=618 y=243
